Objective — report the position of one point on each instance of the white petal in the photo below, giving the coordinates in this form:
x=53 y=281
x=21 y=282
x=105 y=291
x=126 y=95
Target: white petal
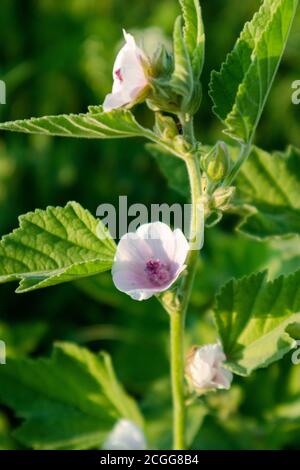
x=206 y=353
x=181 y=247
x=154 y=241
x=129 y=64
x=129 y=39
x=201 y=374
x=140 y=294
x=204 y=369
x=129 y=278
x=159 y=238
x=114 y=101
x=137 y=286
x=133 y=248
x=125 y=436
x=223 y=379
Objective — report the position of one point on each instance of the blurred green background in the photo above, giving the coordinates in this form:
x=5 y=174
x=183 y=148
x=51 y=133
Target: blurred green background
x=57 y=57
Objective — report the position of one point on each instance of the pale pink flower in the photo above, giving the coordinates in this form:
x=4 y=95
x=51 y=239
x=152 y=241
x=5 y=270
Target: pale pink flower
x=205 y=371
x=149 y=261
x=129 y=74
x=125 y=435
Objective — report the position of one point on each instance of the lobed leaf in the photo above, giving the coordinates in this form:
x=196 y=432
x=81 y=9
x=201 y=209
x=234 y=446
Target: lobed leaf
x=194 y=33
x=240 y=90
x=54 y=246
x=95 y=124
x=252 y=317
x=269 y=187
x=70 y=401
x=182 y=78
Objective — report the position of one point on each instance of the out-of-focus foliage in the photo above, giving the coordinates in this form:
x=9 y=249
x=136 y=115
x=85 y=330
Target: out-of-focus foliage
x=58 y=414
x=57 y=58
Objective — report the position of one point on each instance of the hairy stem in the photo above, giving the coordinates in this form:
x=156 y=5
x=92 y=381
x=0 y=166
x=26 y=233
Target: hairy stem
x=177 y=370
x=242 y=158
x=178 y=314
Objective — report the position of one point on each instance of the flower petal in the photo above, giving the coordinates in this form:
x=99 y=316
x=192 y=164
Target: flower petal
x=125 y=435
x=153 y=243
x=159 y=238
x=223 y=378
x=129 y=75
x=181 y=247
x=205 y=371
x=115 y=100
x=133 y=248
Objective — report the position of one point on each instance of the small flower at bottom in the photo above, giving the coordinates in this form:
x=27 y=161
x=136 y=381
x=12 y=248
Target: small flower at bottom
x=130 y=74
x=125 y=435
x=205 y=371
x=149 y=261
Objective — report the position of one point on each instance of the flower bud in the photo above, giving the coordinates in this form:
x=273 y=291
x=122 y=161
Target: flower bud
x=161 y=62
x=216 y=163
x=221 y=198
x=165 y=126
x=162 y=97
x=181 y=144
x=205 y=371
x=192 y=105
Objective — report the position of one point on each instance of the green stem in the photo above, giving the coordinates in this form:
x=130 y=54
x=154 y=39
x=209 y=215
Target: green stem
x=178 y=313
x=243 y=156
x=177 y=371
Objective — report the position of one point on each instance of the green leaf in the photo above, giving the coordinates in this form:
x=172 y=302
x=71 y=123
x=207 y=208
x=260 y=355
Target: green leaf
x=240 y=90
x=172 y=168
x=252 y=316
x=182 y=78
x=70 y=401
x=54 y=246
x=194 y=33
x=95 y=124
x=269 y=187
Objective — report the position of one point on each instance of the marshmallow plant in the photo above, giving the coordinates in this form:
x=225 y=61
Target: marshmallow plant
x=253 y=317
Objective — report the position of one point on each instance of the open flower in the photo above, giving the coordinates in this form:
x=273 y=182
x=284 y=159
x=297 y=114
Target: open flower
x=130 y=74
x=125 y=435
x=149 y=261
x=205 y=371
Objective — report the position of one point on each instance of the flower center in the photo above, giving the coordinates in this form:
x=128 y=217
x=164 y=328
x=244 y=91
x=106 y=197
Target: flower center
x=118 y=74
x=158 y=273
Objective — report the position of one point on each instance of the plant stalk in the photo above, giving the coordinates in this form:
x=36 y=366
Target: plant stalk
x=178 y=314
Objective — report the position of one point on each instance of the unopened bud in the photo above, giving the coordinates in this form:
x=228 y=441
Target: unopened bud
x=162 y=97
x=221 y=198
x=216 y=163
x=161 y=62
x=204 y=369
x=165 y=126
x=181 y=144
